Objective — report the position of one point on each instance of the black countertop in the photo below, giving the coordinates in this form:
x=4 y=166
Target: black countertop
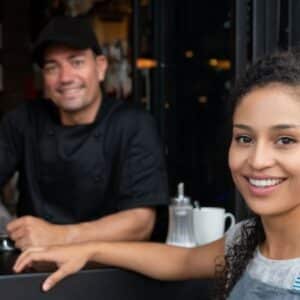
x=96 y=282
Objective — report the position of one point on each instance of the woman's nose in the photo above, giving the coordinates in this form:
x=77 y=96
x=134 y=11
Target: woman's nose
x=260 y=156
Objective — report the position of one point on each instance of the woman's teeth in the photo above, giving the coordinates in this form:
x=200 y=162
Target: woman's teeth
x=264 y=182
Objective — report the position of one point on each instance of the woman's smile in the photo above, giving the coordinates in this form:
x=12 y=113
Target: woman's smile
x=261 y=187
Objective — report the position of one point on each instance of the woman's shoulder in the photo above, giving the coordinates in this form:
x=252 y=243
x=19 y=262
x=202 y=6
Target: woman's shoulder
x=233 y=235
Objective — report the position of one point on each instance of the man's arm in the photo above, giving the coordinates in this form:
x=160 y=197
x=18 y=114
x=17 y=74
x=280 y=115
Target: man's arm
x=128 y=225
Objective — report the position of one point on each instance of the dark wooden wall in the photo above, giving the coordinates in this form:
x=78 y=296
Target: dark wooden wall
x=15 y=57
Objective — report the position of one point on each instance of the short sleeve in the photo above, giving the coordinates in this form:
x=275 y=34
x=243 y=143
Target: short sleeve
x=143 y=177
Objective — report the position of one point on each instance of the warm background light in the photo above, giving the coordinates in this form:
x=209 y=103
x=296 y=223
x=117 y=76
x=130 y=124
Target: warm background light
x=146 y=63
x=220 y=64
x=189 y=54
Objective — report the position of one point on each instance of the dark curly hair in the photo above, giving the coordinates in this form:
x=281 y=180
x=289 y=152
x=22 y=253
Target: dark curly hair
x=237 y=257
x=278 y=68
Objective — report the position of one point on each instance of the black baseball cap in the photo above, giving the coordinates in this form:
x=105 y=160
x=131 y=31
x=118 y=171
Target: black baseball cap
x=75 y=32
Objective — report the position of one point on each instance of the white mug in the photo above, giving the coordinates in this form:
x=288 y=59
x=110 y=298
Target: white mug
x=209 y=223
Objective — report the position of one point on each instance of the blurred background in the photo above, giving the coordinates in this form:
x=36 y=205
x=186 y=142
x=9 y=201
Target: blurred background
x=177 y=59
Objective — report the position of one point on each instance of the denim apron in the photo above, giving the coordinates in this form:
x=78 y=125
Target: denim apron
x=264 y=278
x=248 y=288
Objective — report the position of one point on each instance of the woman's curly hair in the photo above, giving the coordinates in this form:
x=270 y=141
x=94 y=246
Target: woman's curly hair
x=282 y=67
x=279 y=68
x=237 y=256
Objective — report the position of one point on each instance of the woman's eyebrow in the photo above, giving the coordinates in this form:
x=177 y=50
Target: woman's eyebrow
x=275 y=127
x=285 y=126
x=242 y=126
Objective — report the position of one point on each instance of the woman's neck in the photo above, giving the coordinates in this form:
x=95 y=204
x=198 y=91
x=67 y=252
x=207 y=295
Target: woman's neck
x=282 y=235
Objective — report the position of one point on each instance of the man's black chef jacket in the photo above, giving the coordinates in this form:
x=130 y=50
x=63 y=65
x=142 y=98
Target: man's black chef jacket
x=70 y=174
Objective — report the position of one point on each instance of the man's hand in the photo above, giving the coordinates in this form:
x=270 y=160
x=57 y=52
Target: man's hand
x=128 y=225
x=30 y=231
x=69 y=259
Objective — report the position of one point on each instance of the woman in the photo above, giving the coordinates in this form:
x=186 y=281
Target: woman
x=260 y=258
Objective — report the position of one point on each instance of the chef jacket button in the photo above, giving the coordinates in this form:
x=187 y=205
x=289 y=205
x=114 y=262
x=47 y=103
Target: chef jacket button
x=98 y=178
x=48 y=217
x=97 y=135
x=50 y=132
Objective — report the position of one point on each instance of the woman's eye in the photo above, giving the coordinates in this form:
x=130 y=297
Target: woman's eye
x=285 y=140
x=243 y=139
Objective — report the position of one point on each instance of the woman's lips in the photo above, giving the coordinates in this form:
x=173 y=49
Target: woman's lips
x=263 y=186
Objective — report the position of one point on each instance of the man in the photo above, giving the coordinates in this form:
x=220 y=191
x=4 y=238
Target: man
x=90 y=168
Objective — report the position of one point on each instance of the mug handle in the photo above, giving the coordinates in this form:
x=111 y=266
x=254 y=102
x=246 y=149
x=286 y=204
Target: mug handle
x=232 y=219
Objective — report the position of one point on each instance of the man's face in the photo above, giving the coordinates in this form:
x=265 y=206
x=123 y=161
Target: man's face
x=71 y=81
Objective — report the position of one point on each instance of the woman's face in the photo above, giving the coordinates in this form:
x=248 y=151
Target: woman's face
x=264 y=155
